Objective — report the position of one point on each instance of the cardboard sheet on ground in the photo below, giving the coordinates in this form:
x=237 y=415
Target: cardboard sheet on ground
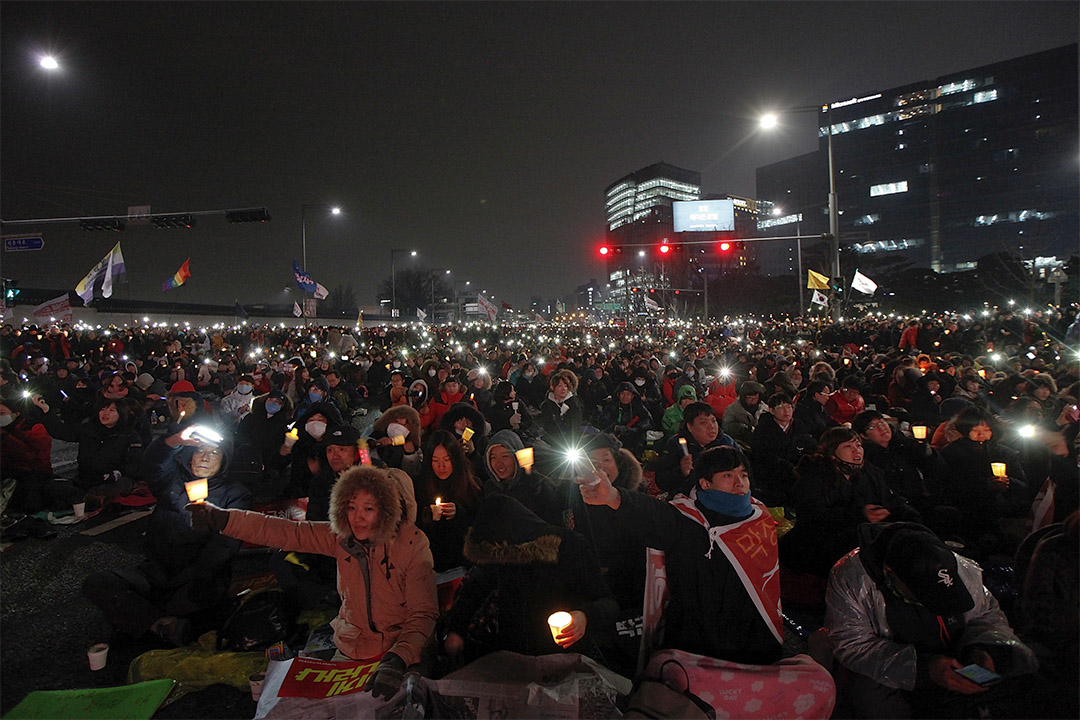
x=502 y=684
x=140 y=700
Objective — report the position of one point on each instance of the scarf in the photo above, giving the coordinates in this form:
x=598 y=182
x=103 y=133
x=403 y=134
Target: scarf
x=734 y=506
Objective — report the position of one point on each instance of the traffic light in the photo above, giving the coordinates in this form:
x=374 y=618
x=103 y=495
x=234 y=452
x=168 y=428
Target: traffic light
x=609 y=250
x=173 y=220
x=10 y=289
x=247 y=215
x=111 y=224
x=725 y=246
x=665 y=248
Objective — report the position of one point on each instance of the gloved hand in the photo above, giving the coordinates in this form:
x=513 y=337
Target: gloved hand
x=205 y=516
x=386 y=680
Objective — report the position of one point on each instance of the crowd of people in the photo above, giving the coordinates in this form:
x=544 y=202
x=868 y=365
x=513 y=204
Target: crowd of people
x=913 y=480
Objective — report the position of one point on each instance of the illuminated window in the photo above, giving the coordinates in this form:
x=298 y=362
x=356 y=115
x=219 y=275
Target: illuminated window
x=888 y=188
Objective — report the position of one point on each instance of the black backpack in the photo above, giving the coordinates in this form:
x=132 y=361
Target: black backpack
x=261 y=619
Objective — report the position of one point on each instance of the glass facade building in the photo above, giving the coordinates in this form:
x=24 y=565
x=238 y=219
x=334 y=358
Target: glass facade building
x=943 y=172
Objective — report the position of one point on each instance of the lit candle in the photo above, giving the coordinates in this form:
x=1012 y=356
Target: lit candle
x=682 y=445
x=918 y=432
x=982 y=373
x=397 y=440
x=466 y=434
x=197 y=490
x=525 y=458
x=998 y=469
x=558 y=622
x=436 y=509
x=291 y=437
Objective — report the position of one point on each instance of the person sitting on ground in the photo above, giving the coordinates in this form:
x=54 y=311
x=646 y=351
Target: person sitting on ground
x=834 y=493
x=699 y=432
x=713 y=590
x=396 y=437
x=508 y=412
x=541 y=494
x=561 y=411
x=237 y=404
x=524 y=570
x=847 y=402
x=903 y=614
x=447 y=496
x=673 y=415
x=740 y=417
x=810 y=409
x=385 y=576
x=627 y=418
x=912 y=469
x=186 y=572
x=779 y=442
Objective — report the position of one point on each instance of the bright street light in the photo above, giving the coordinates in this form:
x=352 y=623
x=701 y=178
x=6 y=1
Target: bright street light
x=49 y=63
x=335 y=211
x=769 y=121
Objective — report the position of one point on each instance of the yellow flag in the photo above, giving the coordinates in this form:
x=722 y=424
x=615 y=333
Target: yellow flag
x=816 y=281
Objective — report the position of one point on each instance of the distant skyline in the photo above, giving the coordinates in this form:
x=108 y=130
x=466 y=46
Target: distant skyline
x=481 y=135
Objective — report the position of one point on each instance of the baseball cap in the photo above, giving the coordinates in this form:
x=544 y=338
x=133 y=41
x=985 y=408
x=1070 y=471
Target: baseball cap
x=340 y=435
x=930 y=571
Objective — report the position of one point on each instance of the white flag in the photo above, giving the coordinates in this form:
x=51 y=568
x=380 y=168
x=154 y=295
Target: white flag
x=421 y=314
x=863 y=284
x=651 y=304
x=819 y=299
x=109 y=266
x=296 y=311
x=321 y=293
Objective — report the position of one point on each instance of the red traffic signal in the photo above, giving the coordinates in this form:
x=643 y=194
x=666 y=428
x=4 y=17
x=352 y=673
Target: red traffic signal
x=665 y=248
x=604 y=250
x=725 y=246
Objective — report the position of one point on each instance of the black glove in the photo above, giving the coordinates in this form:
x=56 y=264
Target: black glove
x=205 y=516
x=386 y=680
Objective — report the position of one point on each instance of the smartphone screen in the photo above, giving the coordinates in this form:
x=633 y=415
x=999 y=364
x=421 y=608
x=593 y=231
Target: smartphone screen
x=979 y=675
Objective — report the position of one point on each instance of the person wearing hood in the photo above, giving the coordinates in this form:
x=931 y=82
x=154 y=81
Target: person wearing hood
x=186 y=406
x=536 y=569
x=673 y=416
x=396 y=435
x=530 y=487
x=725 y=600
x=903 y=614
x=626 y=417
x=834 y=493
x=479 y=388
x=305 y=454
x=699 y=432
x=740 y=418
x=385 y=575
x=645 y=384
x=186 y=571
x=912 y=469
x=464 y=416
x=561 y=411
x=264 y=430
x=449 y=393
x=318 y=393
x=448 y=495
x=507 y=412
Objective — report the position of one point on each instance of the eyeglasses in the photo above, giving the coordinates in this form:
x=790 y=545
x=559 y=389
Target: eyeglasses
x=879 y=425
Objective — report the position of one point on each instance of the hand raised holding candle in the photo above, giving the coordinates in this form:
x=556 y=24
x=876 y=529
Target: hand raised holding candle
x=596 y=489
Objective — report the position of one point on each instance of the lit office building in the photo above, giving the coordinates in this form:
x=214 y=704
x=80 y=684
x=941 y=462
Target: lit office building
x=942 y=172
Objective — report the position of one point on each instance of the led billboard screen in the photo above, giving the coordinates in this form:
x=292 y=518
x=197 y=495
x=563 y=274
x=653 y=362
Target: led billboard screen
x=703 y=215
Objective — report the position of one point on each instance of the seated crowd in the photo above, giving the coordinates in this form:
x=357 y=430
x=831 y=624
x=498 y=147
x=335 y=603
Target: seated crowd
x=914 y=485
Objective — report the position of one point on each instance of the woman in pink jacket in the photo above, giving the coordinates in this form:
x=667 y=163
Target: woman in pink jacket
x=385 y=578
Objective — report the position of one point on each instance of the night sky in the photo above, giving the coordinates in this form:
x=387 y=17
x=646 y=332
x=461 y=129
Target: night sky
x=481 y=135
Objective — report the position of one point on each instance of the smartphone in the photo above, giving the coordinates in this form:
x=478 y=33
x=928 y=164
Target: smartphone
x=979 y=675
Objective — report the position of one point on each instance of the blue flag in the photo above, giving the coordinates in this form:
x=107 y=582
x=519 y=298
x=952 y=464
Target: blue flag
x=303 y=280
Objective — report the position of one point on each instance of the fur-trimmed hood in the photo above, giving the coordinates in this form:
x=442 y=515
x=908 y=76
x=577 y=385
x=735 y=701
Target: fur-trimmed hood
x=402 y=415
x=631 y=475
x=392 y=490
x=505 y=532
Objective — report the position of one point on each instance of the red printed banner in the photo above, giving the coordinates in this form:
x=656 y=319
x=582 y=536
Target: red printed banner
x=311 y=678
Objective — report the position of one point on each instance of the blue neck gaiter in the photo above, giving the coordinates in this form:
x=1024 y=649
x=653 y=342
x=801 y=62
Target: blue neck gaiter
x=734 y=506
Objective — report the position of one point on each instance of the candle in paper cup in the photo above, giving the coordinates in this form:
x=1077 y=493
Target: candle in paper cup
x=558 y=622
x=998 y=469
x=436 y=509
x=291 y=437
x=197 y=490
x=918 y=432
x=982 y=373
x=466 y=434
x=525 y=457
x=98 y=655
x=682 y=445
x=255 y=682
x=397 y=440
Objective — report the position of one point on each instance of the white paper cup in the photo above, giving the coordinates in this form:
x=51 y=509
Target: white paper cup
x=255 y=682
x=436 y=511
x=79 y=508
x=557 y=622
x=98 y=655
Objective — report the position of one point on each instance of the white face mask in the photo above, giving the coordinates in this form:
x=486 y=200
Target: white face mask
x=6 y=420
x=397 y=363
x=315 y=428
x=243 y=389
x=689 y=373
x=639 y=382
x=432 y=372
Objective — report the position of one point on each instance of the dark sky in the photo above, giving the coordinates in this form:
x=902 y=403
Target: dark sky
x=482 y=135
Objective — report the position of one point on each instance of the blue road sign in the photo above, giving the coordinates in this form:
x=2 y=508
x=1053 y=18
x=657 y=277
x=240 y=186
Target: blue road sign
x=23 y=242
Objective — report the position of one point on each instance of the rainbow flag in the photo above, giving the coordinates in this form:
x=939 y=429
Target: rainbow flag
x=178 y=279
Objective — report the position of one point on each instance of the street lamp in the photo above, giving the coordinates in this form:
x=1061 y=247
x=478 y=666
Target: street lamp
x=798 y=250
x=49 y=62
x=332 y=209
x=432 y=274
x=770 y=121
x=393 y=279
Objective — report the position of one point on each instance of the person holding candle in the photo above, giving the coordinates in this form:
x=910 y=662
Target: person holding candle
x=469 y=424
x=396 y=436
x=984 y=498
x=507 y=411
x=699 y=432
x=385 y=576
x=447 y=495
x=186 y=572
x=524 y=571
x=532 y=488
x=912 y=468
